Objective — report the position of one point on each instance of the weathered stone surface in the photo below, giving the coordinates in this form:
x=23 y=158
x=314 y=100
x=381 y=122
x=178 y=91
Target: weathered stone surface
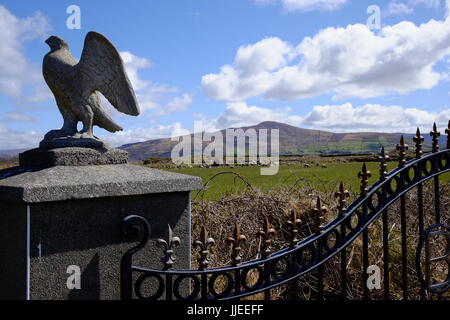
x=85 y=233
x=61 y=216
x=60 y=139
x=72 y=157
x=68 y=182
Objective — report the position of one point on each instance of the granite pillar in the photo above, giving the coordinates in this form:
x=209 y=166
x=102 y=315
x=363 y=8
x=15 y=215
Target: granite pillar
x=67 y=214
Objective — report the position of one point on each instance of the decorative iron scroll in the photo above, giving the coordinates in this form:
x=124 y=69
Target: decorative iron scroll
x=302 y=257
x=424 y=247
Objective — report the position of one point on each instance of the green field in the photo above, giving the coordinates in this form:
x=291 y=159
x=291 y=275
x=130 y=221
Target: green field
x=323 y=179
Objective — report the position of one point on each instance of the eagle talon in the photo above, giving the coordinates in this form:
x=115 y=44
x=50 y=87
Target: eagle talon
x=84 y=135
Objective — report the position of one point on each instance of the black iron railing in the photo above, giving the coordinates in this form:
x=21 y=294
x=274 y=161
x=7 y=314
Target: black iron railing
x=310 y=255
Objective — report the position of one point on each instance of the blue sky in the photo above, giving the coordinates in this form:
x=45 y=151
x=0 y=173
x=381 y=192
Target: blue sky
x=309 y=63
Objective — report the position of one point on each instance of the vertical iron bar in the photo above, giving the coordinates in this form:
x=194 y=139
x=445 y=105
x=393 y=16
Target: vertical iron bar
x=320 y=271
x=402 y=148
x=235 y=243
x=237 y=282
x=364 y=175
x=266 y=233
x=204 y=243
x=125 y=278
x=419 y=139
x=343 y=264
x=267 y=280
x=365 y=253
x=427 y=261
x=435 y=134
x=383 y=157
x=169 y=287
x=342 y=194
x=437 y=201
x=319 y=216
x=404 y=247
x=204 y=286
x=421 y=229
x=295 y=283
x=293 y=224
x=386 y=255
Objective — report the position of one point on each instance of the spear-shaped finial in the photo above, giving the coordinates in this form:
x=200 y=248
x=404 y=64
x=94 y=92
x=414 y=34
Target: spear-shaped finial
x=235 y=243
x=294 y=223
x=364 y=175
x=402 y=147
x=342 y=194
x=319 y=216
x=266 y=234
x=435 y=134
x=204 y=243
x=383 y=157
x=447 y=131
x=418 y=139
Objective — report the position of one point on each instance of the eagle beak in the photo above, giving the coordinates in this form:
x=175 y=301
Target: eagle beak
x=48 y=41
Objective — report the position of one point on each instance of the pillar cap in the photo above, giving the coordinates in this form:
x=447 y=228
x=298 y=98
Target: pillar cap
x=28 y=185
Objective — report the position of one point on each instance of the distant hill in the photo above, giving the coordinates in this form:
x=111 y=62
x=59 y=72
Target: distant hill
x=293 y=141
x=7 y=154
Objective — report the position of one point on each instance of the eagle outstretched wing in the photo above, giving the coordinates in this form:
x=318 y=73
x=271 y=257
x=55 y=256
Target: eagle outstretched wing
x=101 y=68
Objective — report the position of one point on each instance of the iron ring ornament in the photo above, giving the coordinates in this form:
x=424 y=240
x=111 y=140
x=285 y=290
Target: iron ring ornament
x=140 y=281
x=228 y=288
x=423 y=249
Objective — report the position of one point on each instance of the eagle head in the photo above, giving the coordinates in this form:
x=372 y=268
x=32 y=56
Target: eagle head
x=56 y=43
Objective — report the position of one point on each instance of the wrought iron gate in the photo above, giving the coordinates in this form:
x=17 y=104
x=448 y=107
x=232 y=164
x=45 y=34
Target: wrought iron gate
x=310 y=255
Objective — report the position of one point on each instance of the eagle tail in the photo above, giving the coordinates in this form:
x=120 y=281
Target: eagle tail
x=104 y=121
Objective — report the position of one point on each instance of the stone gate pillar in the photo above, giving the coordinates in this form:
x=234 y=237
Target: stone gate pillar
x=61 y=211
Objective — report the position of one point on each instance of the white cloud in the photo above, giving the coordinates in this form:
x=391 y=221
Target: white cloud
x=132 y=65
x=178 y=104
x=143 y=134
x=158 y=98
x=267 y=54
x=11 y=139
x=373 y=117
x=395 y=7
x=349 y=62
x=428 y=3
x=306 y=5
x=239 y=114
x=335 y=118
x=398 y=8
x=20 y=78
x=17 y=116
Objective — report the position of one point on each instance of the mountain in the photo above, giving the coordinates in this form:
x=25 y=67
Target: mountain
x=293 y=141
x=6 y=154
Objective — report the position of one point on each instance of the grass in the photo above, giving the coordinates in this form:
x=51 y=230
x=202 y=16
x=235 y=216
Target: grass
x=322 y=179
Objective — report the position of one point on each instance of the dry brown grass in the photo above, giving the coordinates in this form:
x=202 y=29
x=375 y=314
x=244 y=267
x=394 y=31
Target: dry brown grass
x=252 y=207
x=8 y=163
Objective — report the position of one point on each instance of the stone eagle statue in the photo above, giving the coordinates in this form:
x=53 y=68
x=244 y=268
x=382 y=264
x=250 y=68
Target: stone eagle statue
x=75 y=85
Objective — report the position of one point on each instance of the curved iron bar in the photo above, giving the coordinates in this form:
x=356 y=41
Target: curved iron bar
x=315 y=245
x=436 y=229
x=132 y=227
